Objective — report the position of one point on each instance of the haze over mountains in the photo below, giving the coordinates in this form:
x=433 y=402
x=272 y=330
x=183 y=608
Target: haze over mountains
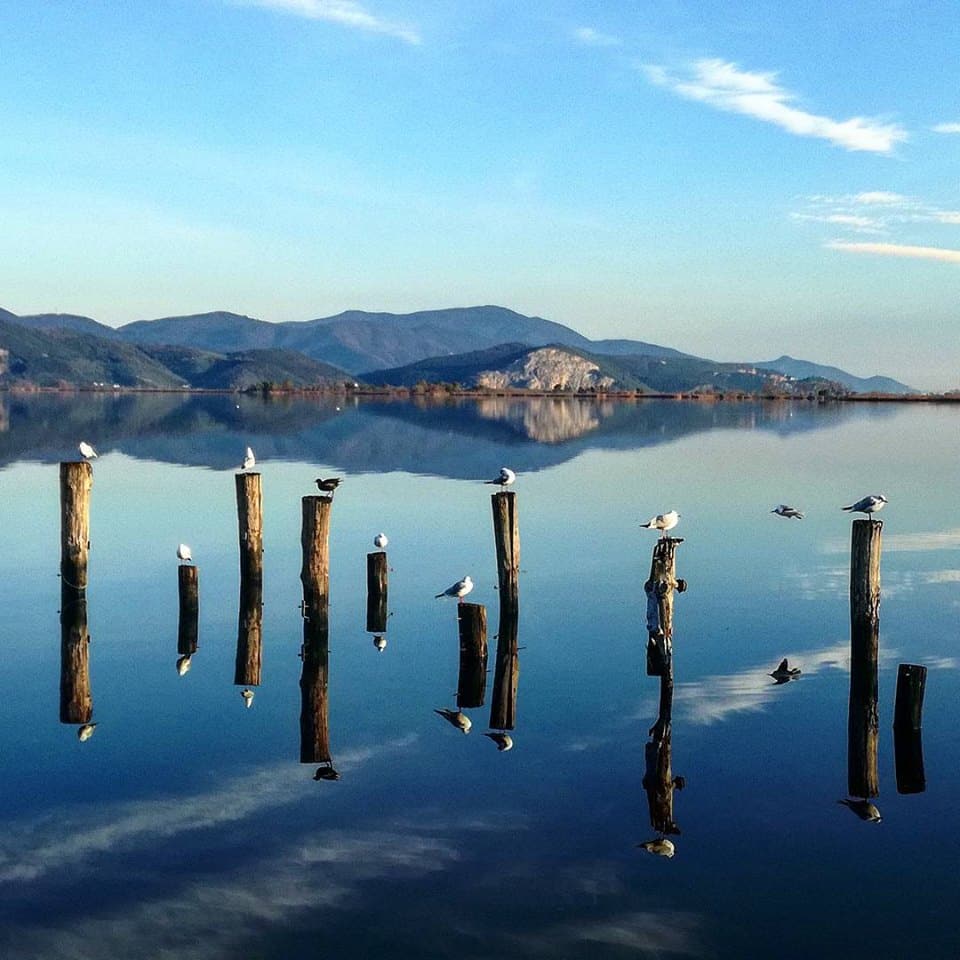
x=486 y=345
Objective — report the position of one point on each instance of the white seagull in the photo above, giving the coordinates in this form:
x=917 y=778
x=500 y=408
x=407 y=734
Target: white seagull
x=459 y=589
x=380 y=642
x=505 y=478
x=183 y=666
x=86 y=731
x=663 y=522
x=661 y=847
x=868 y=505
x=249 y=460
x=86 y=451
x=782 y=510
x=380 y=540
x=184 y=554
x=247 y=695
x=456 y=717
x=503 y=741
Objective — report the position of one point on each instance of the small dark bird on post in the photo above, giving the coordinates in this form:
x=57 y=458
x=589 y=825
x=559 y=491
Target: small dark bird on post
x=328 y=484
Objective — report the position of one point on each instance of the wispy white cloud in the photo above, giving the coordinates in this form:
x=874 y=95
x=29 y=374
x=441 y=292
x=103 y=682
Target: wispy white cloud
x=906 y=251
x=724 y=85
x=594 y=38
x=946 y=128
x=882 y=197
x=347 y=13
x=859 y=224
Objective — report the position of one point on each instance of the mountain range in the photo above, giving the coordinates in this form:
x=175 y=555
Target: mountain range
x=474 y=346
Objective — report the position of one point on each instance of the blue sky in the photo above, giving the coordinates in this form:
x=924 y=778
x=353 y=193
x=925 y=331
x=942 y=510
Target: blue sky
x=734 y=180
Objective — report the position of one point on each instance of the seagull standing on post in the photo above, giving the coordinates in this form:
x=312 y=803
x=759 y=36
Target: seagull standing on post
x=504 y=479
x=184 y=554
x=380 y=541
x=662 y=522
x=459 y=589
x=868 y=505
x=249 y=460
x=86 y=451
x=327 y=484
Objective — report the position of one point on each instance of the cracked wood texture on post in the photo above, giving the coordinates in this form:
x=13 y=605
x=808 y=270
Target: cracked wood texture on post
x=660 y=589
x=76 y=482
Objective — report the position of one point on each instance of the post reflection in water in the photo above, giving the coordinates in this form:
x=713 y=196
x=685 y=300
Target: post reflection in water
x=188 y=623
x=76 y=699
x=506 y=674
x=315 y=577
x=246 y=671
x=472 y=675
x=377 y=581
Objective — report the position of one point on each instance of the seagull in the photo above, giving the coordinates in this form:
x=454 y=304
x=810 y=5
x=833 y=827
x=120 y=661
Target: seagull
x=503 y=741
x=864 y=809
x=663 y=522
x=790 y=512
x=459 y=589
x=86 y=451
x=249 y=460
x=328 y=485
x=784 y=672
x=505 y=478
x=247 y=695
x=380 y=540
x=380 y=642
x=662 y=847
x=86 y=731
x=183 y=665
x=456 y=717
x=184 y=554
x=868 y=505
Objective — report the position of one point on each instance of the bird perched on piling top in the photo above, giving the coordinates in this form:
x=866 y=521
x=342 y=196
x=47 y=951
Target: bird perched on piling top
x=504 y=478
x=782 y=510
x=327 y=484
x=86 y=451
x=457 y=718
x=184 y=554
x=868 y=505
x=380 y=541
x=459 y=589
x=249 y=460
x=662 y=522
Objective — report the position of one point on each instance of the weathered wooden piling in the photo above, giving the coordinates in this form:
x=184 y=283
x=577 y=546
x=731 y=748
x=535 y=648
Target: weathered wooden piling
x=376 y=592
x=315 y=578
x=506 y=673
x=246 y=670
x=250 y=523
x=908 y=705
x=472 y=677
x=659 y=589
x=863 y=718
x=506 y=532
x=76 y=482
x=188 y=624
x=76 y=699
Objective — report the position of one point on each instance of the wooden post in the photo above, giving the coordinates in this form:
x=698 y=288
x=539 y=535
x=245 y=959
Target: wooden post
x=472 y=678
x=376 y=592
x=246 y=670
x=506 y=674
x=187 y=630
x=506 y=532
x=659 y=590
x=250 y=518
x=76 y=700
x=315 y=577
x=863 y=719
x=908 y=706
x=76 y=482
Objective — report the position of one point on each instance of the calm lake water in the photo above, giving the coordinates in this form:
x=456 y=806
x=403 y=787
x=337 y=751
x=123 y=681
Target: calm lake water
x=185 y=827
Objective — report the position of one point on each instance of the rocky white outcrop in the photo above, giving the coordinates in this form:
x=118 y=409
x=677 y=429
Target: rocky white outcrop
x=546 y=369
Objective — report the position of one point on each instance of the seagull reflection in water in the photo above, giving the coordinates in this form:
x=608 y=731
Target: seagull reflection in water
x=456 y=718
x=864 y=809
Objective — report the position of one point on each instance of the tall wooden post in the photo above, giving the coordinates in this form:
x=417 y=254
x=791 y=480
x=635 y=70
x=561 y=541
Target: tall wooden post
x=376 y=592
x=506 y=674
x=907 y=728
x=659 y=589
x=76 y=482
x=76 y=699
x=472 y=677
x=188 y=625
x=863 y=718
x=506 y=532
x=250 y=522
x=249 y=634
x=315 y=577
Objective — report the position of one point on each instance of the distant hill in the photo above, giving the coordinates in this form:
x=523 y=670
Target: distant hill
x=805 y=368
x=357 y=340
x=67 y=321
